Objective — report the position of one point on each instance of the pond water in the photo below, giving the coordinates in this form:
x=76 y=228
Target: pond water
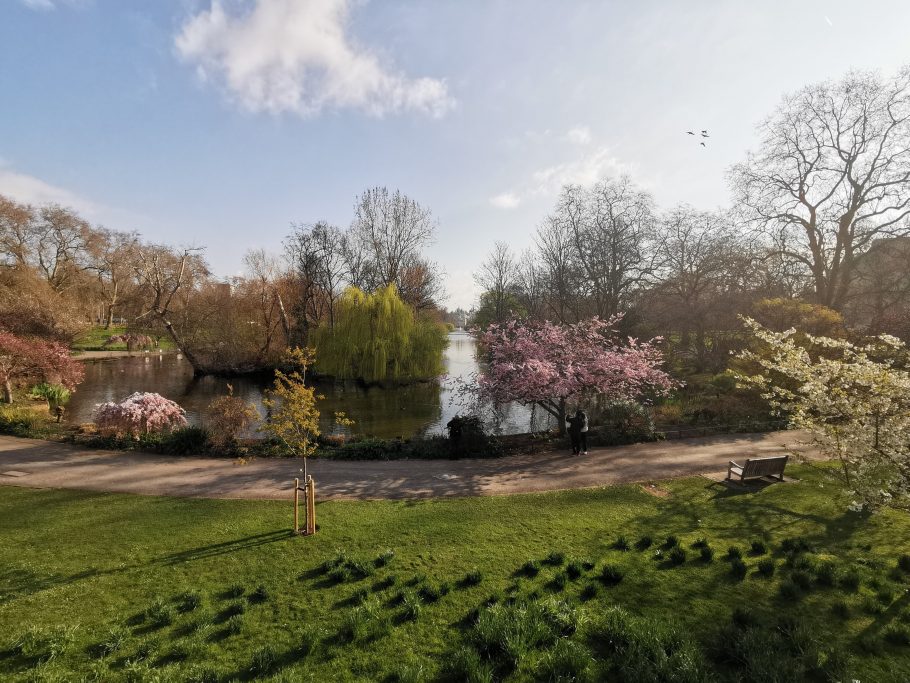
x=406 y=411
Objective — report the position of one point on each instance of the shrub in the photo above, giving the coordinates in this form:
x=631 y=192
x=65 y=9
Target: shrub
x=140 y=413
x=531 y=568
x=467 y=437
x=259 y=595
x=160 y=613
x=734 y=553
x=790 y=591
x=233 y=609
x=610 y=574
x=849 y=580
x=801 y=578
x=841 y=610
x=54 y=394
x=574 y=570
x=184 y=441
x=559 y=581
x=588 y=592
x=567 y=661
x=383 y=558
x=644 y=543
x=758 y=547
x=897 y=635
x=885 y=595
x=234 y=624
x=308 y=640
x=17 y=420
x=621 y=543
x=624 y=422
x=466 y=665
x=508 y=633
x=42 y=645
x=795 y=546
x=430 y=592
x=766 y=567
x=411 y=606
x=235 y=590
x=643 y=650
x=188 y=601
x=113 y=641
x=825 y=573
x=228 y=417
x=555 y=558
x=738 y=568
x=472 y=578
x=677 y=556
x=386 y=582
x=263 y=661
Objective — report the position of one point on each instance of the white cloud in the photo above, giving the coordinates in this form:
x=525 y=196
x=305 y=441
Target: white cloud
x=580 y=135
x=596 y=165
x=296 y=56
x=46 y=5
x=30 y=190
x=506 y=200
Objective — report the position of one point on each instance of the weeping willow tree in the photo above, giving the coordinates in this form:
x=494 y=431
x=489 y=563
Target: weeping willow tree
x=378 y=337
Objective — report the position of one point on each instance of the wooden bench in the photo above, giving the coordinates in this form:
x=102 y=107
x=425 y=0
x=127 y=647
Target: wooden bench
x=757 y=468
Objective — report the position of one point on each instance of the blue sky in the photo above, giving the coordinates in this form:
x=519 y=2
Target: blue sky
x=219 y=124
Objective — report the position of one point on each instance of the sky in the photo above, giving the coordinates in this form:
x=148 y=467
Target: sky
x=219 y=124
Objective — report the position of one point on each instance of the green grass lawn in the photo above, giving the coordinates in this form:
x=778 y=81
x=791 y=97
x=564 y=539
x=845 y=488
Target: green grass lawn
x=532 y=587
x=94 y=337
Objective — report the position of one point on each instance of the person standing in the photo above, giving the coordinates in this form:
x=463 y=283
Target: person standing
x=583 y=434
x=575 y=423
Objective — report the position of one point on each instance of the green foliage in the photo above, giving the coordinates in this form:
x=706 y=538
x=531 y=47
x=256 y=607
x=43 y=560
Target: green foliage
x=17 y=420
x=54 y=394
x=293 y=417
x=377 y=337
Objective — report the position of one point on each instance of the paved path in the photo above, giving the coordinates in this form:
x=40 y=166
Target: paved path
x=43 y=464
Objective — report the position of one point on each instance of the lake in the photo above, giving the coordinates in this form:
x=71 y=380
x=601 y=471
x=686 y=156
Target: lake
x=405 y=411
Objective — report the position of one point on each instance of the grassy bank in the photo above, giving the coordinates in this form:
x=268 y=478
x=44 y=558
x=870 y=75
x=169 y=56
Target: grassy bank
x=93 y=338
x=121 y=587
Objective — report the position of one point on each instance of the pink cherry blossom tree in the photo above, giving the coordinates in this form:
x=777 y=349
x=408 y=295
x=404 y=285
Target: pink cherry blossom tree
x=26 y=359
x=548 y=364
x=140 y=413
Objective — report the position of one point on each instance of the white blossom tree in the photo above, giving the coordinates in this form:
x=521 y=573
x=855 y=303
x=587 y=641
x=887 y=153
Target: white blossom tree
x=854 y=399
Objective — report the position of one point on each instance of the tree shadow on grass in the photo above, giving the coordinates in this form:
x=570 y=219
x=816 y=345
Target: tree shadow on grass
x=226 y=547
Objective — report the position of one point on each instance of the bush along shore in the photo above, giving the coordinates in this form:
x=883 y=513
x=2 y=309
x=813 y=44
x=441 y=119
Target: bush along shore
x=465 y=438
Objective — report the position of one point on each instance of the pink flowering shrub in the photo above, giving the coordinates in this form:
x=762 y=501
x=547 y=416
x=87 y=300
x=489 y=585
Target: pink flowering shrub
x=141 y=413
x=546 y=364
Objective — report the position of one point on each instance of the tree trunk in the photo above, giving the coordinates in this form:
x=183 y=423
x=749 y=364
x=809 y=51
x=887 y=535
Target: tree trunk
x=110 y=317
x=198 y=368
x=7 y=391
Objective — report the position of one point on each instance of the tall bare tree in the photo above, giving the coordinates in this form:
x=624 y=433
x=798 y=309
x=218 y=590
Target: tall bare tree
x=112 y=257
x=393 y=230
x=832 y=175
x=498 y=276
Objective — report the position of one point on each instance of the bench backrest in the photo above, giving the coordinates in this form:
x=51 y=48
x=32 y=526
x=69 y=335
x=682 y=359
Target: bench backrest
x=759 y=467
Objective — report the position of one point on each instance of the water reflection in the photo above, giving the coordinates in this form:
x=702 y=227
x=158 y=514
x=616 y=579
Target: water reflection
x=402 y=411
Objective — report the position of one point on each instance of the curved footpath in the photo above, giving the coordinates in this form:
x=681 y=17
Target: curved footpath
x=44 y=464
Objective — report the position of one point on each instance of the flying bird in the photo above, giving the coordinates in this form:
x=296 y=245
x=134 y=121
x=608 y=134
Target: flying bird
x=690 y=132
x=703 y=144
x=704 y=132
x=705 y=135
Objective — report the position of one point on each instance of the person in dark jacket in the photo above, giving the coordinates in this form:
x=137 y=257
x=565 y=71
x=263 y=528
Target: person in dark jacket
x=576 y=423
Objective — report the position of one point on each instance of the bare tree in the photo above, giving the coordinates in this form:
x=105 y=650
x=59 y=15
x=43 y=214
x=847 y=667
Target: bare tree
x=832 y=175
x=558 y=270
x=317 y=254
x=16 y=232
x=266 y=283
x=164 y=273
x=498 y=277
x=112 y=258
x=393 y=230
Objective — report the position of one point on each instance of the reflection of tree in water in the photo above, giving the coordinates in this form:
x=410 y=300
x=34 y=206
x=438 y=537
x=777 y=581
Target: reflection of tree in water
x=384 y=412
